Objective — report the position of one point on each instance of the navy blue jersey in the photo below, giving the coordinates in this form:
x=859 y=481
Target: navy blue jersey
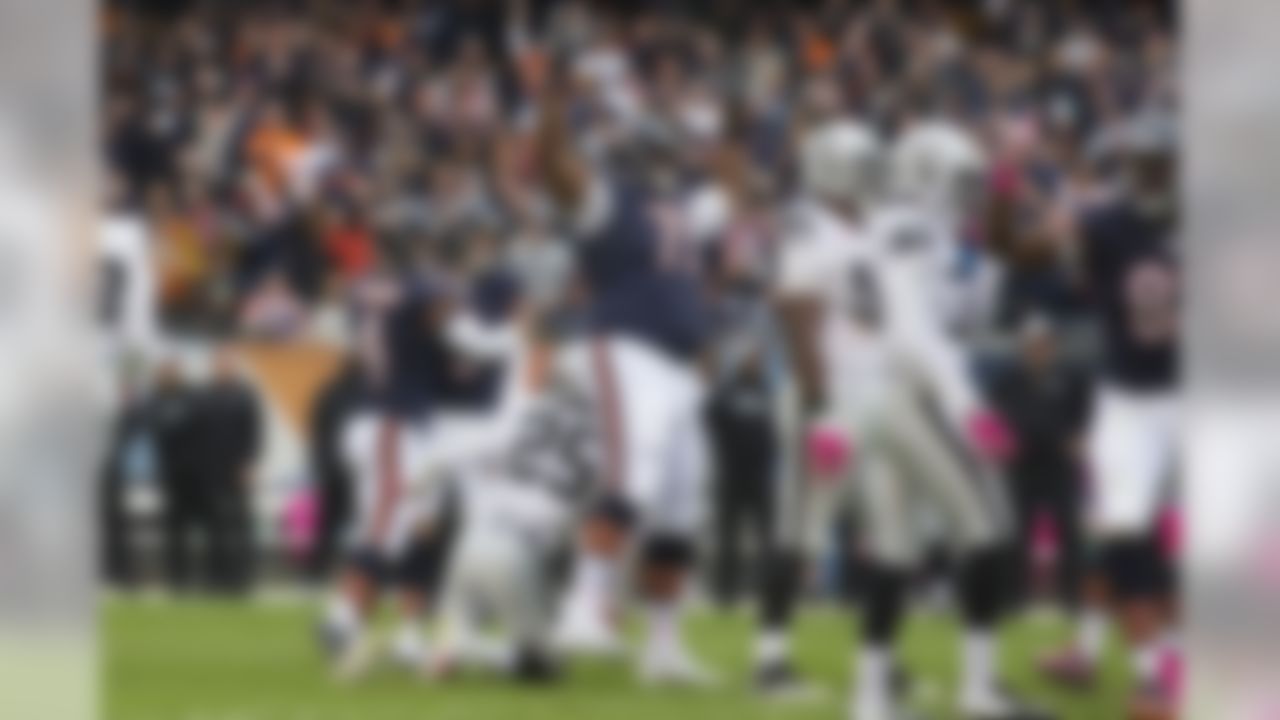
x=641 y=273
x=1133 y=281
x=402 y=351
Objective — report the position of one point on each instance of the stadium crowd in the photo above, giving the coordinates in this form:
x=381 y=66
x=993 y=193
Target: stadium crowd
x=273 y=145
x=282 y=152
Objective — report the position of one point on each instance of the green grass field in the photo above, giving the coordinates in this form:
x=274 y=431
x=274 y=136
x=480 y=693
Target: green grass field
x=204 y=660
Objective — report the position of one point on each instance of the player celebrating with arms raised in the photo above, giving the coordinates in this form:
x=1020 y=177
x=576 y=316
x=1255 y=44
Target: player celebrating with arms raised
x=645 y=326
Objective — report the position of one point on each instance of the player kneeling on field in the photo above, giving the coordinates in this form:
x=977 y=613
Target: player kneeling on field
x=519 y=514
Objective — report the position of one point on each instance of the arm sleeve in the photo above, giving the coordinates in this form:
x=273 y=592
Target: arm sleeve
x=918 y=334
x=479 y=340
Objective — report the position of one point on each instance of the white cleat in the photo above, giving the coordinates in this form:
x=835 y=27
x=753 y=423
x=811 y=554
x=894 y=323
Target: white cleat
x=587 y=634
x=675 y=667
x=410 y=650
x=355 y=661
x=487 y=654
x=994 y=704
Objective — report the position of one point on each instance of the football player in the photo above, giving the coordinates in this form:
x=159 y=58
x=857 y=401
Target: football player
x=398 y=323
x=645 y=326
x=1128 y=257
x=880 y=374
x=519 y=514
x=435 y=346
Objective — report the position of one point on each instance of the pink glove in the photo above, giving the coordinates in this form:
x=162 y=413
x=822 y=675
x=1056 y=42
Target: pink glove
x=828 y=449
x=990 y=436
x=301 y=522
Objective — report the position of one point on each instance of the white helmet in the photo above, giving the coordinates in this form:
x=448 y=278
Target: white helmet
x=939 y=164
x=842 y=160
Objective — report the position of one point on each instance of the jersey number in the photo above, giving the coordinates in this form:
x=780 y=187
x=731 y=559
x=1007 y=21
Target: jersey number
x=1151 y=294
x=675 y=251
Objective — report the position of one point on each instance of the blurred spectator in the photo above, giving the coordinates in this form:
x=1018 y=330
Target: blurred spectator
x=744 y=437
x=121 y=467
x=230 y=429
x=189 y=511
x=335 y=404
x=348 y=243
x=742 y=418
x=1046 y=404
x=285 y=135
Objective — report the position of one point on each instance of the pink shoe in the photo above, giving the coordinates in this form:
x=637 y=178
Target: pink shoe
x=1151 y=703
x=1169 y=676
x=1070 y=669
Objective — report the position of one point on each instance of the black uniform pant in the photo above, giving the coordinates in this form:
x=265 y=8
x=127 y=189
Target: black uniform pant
x=192 y=553
x=118 y=559
x=233 y=552
x=1050 y=488
x=334 y=488
x=745 y=456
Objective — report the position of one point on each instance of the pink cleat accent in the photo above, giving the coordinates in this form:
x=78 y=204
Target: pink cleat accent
x=1169 y=676
x=1070 y=669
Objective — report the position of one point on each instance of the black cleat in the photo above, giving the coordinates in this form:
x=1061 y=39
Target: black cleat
x=780 y=681
x=535 y=667
x=333 y=643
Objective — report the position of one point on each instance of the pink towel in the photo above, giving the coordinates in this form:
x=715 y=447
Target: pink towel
x=300 y=521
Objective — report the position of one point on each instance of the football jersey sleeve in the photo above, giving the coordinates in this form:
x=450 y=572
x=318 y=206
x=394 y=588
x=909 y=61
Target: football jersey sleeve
x=919 y=333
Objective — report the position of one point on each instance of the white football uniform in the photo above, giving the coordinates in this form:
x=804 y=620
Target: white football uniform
x=649 y=406
x=1133 y=445
x=519 y=515
x=389 y=458
x=896 y=379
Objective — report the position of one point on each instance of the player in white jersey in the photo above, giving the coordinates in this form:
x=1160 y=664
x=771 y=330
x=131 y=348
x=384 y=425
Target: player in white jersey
x=126 y=300
x=937 y=179
x=126 y=292
x=519 y=514
x=879 y=374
